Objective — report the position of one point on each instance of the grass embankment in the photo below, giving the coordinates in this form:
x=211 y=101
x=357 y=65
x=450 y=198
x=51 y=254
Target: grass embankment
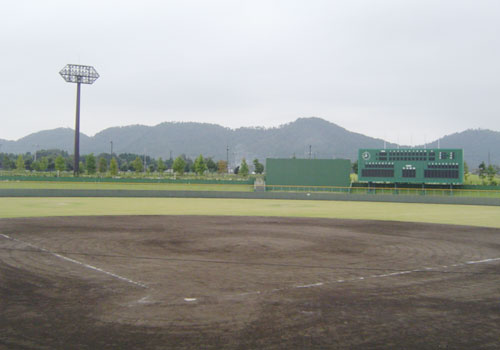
x=431 y=213
x=474 y=179
x=124 y=186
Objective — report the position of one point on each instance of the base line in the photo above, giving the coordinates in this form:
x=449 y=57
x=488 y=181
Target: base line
x=91 y=267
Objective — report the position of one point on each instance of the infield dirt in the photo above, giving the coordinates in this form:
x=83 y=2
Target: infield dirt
x=198 y=282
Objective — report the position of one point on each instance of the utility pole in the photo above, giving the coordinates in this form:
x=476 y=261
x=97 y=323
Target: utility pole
x=227 y=159
x=310 y=148
x=36 y=150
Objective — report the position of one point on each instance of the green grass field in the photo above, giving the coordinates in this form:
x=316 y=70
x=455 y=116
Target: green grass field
x=124 y=186
x=488 y=216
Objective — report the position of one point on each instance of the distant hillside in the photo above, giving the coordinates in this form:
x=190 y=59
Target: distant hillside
x=327 y=140
x=478 y=144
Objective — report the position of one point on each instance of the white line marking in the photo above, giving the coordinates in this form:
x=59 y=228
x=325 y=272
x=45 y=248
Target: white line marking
x=318 y=284
x=257 y=292
x=77 y=262
x=310 y=285
x=482 y=261
x=361 y=278
x=145 y=300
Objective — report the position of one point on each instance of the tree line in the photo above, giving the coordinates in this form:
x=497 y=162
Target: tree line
x=57 y=160
x=486 y=173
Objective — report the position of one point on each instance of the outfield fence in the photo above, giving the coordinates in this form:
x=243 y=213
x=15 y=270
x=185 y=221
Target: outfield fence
x=430 y=193
x=145 y=180
x=472 y=191
x=328 y=196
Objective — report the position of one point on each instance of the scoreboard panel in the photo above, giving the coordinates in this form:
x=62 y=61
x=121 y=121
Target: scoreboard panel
x=411 y=165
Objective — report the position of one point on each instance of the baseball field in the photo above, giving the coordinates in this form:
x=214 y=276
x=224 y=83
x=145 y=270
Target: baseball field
x=186 y=273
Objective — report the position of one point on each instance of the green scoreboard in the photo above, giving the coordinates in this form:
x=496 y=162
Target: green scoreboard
x=440 y=166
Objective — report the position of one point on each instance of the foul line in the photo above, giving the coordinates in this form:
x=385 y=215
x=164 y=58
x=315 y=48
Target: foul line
x=437 y=269
x=77 y=262
x=248 y=263
x=361 y=278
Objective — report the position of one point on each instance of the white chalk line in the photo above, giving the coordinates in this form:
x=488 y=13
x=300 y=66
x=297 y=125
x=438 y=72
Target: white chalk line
x=361 y=278
x=354 y=279
x=91 y=267
x=311 y=285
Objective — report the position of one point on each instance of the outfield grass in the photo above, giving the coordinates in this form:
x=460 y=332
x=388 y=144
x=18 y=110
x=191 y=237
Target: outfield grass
x=488 y=216
x=124 y=186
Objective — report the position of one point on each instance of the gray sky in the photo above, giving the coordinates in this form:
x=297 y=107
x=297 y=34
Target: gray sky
x=403 y=70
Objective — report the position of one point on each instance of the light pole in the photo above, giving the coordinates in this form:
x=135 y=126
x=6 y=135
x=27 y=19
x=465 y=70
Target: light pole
x=75 y=73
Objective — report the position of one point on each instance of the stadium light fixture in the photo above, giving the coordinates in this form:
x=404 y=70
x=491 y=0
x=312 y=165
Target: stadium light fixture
x=76 y=73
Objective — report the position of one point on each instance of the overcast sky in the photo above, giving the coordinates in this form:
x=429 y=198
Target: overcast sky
x=403 y=70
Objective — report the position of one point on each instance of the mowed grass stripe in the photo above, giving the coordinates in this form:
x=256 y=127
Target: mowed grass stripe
x=488 y=216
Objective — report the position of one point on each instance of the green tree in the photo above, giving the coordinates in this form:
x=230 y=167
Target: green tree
x=7 y=163
x=189 y=167
x=20 y=163
x=161 y=166
x=113 y=167
x=90 y=163
x=211 y=165
x=28 y=164
x=355 y=167
x=244 y=168
x=44 y=164
x=179 y=164
x=60 y=163
x=466 y=171
x=137 y=165
x=199 y=165
x=482 y=170
x=491 y=172
x=259 y=168
x=103 y=165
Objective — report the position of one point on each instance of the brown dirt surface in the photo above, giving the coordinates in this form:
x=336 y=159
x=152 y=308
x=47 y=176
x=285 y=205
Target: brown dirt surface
x=200 y=282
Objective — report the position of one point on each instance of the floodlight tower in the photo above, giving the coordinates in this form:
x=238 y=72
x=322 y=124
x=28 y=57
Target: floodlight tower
x=75 y=73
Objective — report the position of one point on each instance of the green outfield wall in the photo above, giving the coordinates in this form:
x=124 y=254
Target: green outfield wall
x=308 y=172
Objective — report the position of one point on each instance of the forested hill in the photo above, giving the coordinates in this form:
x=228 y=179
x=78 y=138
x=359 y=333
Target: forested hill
x=298 y=138
x=479 y=145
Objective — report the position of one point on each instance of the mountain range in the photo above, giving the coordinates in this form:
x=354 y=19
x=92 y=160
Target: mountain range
x=314 y=137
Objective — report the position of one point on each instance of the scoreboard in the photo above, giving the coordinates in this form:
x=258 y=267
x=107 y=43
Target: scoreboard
x=440 y=166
